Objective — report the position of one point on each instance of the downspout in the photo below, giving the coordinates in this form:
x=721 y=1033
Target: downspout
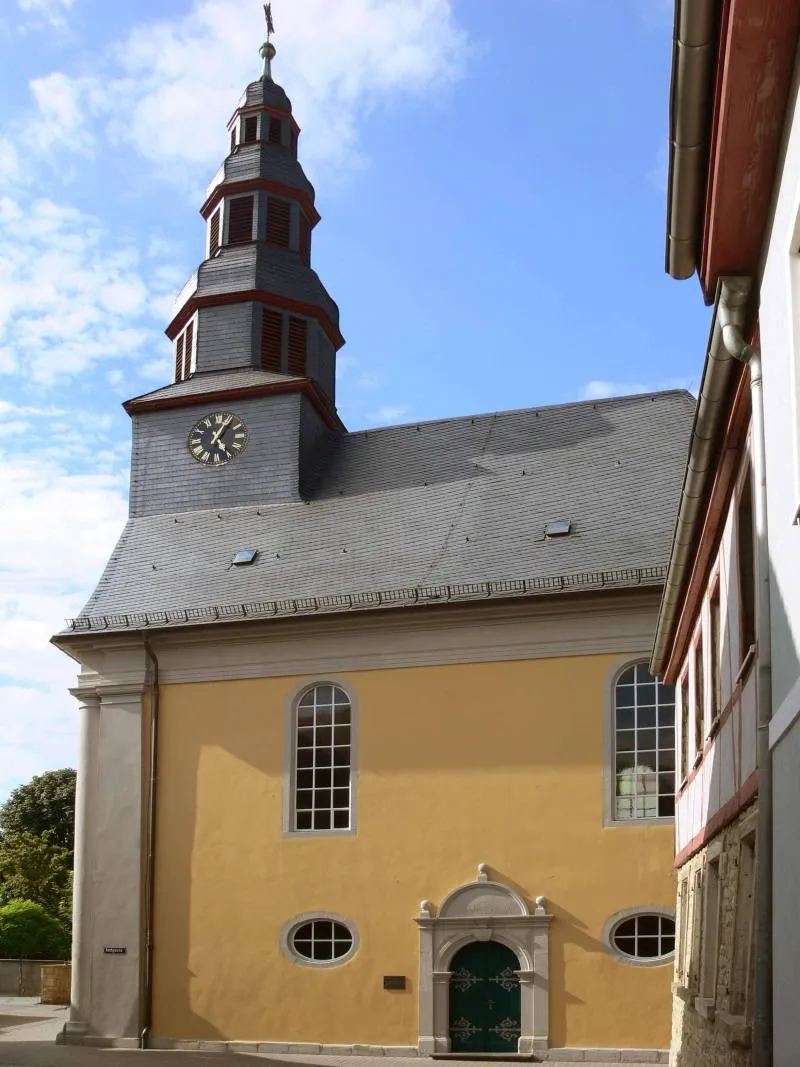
x=149 y=878
x=731 y=313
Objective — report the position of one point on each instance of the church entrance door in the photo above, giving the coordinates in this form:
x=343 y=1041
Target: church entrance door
x=484 y=999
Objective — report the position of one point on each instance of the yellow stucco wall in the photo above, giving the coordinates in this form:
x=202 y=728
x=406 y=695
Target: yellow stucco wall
x=499 y=763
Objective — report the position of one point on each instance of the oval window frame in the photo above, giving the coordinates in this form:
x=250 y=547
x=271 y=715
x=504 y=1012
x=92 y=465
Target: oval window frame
x=619 y=917
x=290 y=928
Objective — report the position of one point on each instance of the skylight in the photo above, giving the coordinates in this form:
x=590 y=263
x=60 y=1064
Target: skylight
x=244 y=557
x=561 y=528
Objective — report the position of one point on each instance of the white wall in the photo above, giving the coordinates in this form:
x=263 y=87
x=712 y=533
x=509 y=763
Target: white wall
x=779 y=317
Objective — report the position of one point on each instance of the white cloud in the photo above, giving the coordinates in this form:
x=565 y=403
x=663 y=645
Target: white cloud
x=388 y=414
x=170 y=87
x=69 y=296
x=63 y=530
x=46 y=12
x=601 y=390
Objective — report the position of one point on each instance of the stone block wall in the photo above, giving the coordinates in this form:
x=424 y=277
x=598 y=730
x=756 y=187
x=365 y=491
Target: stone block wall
x=713 y=983
x=56 y=981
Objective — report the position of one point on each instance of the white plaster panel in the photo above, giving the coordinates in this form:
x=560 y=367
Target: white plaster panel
x=749 y=730
x=724 y=744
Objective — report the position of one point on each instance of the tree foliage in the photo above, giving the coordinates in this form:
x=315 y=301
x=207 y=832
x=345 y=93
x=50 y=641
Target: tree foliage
x=33 y=868
x=45 y=805
x=28 y=932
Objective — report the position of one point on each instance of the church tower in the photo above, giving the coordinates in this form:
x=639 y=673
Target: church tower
x=254 y=334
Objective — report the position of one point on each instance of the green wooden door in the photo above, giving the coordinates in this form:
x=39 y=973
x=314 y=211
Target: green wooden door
x=484 y=999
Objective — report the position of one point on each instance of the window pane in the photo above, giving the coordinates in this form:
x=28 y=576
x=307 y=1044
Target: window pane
x=646 y=739
x=626 y=945
x=666 y=738
x=646 y=694
x=304 y=799
x=324 y=694
x=341 y=735
x=305 y=737
x=341 y=756
x=647 y=947
x=323 y=736
x=322 y=820
x=626 y=696
x=305 y=757
x=666 y=807
x=303 y=820
x=649 y=925
x=324 y=757
x=626 y=740
x=627 y=928
x=341 y=820
x=628 y=677
x=626 y=718
x=645 y=718
x=341 y=798
x=667 y=944
x=322 y=778
x=305 y=779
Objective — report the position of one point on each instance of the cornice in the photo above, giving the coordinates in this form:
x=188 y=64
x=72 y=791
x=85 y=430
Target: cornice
x=241 y=296
x=305 y=386
x=249 y=185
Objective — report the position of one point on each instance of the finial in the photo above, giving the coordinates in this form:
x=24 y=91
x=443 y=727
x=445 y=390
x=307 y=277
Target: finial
x=425 y=909
x=267 y=50
x=483 y=872
x=540 y=906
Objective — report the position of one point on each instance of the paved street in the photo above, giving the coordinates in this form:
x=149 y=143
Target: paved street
x=28 y=1032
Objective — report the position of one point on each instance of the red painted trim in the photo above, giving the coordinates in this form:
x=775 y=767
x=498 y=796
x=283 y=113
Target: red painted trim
x=719 y=498
x=254 y=109
x=253 y=185
x=720 y=819
x=754 y=72
x=305 y=386
x=221 y=299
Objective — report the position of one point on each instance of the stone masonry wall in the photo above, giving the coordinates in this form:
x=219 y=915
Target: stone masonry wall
x=712 y=987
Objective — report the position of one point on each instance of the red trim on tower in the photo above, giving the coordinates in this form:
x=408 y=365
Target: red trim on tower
x=306 y=386
x=252 y=185
x=263 y=297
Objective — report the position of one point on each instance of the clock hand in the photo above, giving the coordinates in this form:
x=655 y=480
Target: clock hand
x=223 y=427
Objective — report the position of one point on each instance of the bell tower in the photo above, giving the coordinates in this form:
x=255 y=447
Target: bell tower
x=254 y=331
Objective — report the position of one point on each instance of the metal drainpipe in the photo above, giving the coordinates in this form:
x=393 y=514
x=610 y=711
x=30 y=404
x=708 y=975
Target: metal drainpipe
x=730 y=312
x=149 y=878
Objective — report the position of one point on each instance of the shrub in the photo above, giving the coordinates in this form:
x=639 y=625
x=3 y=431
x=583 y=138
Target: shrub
x=28 y=932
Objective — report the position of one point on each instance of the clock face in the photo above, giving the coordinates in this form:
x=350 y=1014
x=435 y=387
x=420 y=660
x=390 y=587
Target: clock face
x=218 y=438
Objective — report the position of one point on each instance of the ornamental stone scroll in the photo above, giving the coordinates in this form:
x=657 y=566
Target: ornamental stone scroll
x=483 y=910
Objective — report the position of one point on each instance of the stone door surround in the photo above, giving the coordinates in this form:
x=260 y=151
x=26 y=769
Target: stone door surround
x=483 y=910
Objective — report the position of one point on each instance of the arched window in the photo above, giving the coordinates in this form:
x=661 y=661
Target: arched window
x=322 y=760
x=644 y=746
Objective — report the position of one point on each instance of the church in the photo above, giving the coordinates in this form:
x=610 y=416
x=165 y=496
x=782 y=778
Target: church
x=371 y=759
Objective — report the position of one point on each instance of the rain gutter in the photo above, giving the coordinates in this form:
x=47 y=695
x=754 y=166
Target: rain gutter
x=694 y=50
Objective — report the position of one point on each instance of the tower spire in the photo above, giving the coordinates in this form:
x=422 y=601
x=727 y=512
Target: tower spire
x=267 y=50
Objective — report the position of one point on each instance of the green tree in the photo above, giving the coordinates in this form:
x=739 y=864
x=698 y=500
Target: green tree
x=27 y=932
x=33 y=868
x=45 y=805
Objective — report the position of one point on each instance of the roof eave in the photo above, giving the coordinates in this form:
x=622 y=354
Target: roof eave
x=713 y=404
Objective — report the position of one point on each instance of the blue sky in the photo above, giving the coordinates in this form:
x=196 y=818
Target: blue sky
x=491 y=179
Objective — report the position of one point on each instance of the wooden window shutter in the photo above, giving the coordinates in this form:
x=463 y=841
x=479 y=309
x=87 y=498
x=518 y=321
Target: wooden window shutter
x=213 y=234
x=251 y=129
x=187 y=353
x=240 y=220
x=305 y=240
x=298 y=346
x=275 y=135
x=279 y=222
x=271 y=339
x=179 y=357
x=233 y=138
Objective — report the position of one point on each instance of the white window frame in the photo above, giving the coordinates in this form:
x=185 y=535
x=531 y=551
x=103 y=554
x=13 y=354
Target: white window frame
x=290 y=767
x=290 y=928
x=619 y=917
x=610 y=766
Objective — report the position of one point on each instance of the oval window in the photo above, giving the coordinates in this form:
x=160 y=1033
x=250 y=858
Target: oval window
x=321 y=941
x=647 y=937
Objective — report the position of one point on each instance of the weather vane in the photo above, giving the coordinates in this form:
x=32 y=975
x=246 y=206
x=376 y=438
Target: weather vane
x=267 y=50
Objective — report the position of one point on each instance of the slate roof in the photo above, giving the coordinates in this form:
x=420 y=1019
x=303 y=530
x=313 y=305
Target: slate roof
x=454 y=508
x=212 y=382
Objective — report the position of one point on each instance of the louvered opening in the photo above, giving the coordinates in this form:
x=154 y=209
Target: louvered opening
x=187 y=352
x=271 y=339
x=305 y=239
x=274 y=134
x=240 y=220
x=251 y=129
x=298 y=346
x=294 y=143
x=233 y=138
x=279 y=222
x=213 y=233
x=179 y=357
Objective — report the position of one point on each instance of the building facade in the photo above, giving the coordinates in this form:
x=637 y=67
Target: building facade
x=734 y=218
x=371 y=757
